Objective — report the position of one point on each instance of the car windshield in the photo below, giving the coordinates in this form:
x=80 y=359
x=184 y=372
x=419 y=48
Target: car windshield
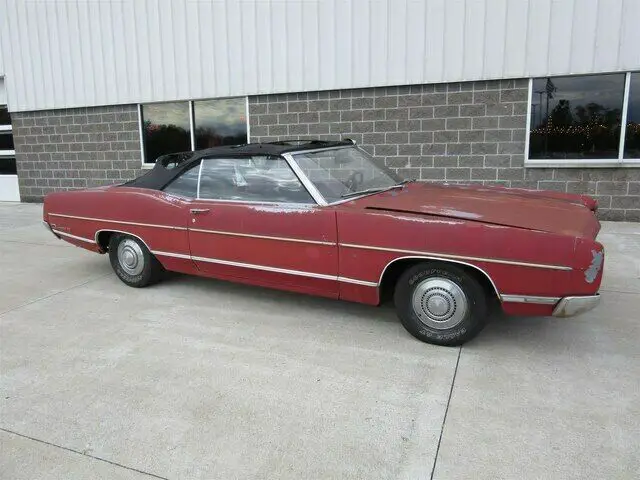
x=341 y=173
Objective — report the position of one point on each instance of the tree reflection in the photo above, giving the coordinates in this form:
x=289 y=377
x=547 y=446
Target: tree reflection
x=208 y=137
x=587 y=131
x=162 y=139
x=576 y=117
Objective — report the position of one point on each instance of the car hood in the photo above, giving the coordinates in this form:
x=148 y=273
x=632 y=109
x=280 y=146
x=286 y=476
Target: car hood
x=554 y=212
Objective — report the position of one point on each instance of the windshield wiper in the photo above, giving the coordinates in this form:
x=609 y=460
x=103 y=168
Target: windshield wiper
x=404 y=182
x=370 y=190
x=377 y=189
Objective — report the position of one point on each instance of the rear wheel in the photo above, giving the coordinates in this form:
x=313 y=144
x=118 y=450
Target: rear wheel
x=132 y=261
x=440 y=303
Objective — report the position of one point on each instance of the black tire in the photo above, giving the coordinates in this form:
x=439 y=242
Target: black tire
x=150 y=271
x=467 y=305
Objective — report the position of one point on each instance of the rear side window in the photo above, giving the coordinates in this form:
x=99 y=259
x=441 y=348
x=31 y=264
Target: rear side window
x=186 y=185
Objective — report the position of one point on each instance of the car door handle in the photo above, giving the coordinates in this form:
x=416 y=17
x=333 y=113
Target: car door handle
x=199 y=211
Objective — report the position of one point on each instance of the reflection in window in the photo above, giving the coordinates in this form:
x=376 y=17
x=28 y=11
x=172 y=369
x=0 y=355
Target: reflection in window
x=576 y=117
x=256 y=179
x=220 y=122
x=4 y=116
x=632 y=135
x=8 y=166
x=6 y=141
x=165 y=128
x=344 y=171
x=186 y=185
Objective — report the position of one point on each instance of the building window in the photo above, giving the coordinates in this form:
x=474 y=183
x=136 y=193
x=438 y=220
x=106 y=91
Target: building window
x=219 y=122
x=7 y=149
x=183 y=126
x=8 y=166
x=575 y=121
x=165 y=129
x=632 y=136
x=6 y=140
x=4 y=116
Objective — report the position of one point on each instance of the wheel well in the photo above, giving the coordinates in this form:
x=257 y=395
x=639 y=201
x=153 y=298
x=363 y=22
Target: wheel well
x=397 y=267
x=103 y=238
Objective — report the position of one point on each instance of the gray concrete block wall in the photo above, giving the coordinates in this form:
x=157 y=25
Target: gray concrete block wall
x=457 y=132
x=75 y=148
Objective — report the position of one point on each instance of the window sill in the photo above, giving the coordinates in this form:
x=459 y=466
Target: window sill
x=148 y=166
x=630 y=163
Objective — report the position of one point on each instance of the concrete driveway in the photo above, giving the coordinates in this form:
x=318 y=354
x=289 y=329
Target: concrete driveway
x=195 y=378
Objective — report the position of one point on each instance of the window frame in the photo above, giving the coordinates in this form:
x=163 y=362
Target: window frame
x=191 y=111
x=8 y=154
x=175 y=179
x=313 y=202
x=618 y=162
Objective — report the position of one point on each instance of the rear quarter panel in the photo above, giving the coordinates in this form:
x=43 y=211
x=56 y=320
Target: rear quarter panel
x=159 y=220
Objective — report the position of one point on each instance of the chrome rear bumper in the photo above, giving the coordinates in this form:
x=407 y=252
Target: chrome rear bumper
x=570 y=306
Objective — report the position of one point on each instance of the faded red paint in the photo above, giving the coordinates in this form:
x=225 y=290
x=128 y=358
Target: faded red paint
x=491 y=229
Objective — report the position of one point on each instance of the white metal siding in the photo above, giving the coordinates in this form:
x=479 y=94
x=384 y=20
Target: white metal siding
x=64 y=54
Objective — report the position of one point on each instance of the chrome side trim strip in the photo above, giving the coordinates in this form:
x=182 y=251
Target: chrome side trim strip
x=460 y=257
x=265 y=268
x=265 y=237
x=122 y=222
x=530 y=299
x=268 y=269
x=357 y=282
x=250 y=202
x=75 y=237
x=170 y=254
x=313 y=150
x=321 y=276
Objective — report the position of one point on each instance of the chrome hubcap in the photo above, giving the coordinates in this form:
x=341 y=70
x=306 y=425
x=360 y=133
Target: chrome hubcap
x=130 y=257
x=439 y=303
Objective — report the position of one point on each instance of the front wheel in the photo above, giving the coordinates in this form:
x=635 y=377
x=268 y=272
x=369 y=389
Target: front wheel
x=440 y=303
x=132 y=261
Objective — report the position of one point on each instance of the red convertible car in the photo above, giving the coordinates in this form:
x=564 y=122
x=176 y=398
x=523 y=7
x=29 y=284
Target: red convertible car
x=324 y=218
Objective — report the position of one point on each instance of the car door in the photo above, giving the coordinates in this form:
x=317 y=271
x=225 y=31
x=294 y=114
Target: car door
x=255 y=222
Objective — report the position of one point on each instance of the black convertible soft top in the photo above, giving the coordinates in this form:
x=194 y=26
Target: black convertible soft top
x=168 y=167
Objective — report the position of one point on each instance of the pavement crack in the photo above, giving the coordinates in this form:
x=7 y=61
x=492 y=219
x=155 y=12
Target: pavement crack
x=31 y=302
x=617 y=291
x=4 y=240
x=83 y=454
x=446 y=411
